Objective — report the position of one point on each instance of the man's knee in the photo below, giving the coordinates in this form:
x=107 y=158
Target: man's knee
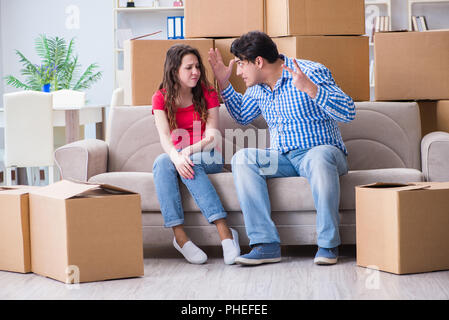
x=244 y=156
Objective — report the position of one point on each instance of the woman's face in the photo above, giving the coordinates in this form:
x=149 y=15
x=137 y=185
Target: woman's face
x=189 y=72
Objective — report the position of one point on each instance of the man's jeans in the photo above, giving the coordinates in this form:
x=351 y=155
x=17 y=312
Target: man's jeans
x=167 y=187
x=321 y=165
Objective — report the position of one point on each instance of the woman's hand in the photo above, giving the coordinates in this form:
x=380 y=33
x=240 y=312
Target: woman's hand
x=183 y=164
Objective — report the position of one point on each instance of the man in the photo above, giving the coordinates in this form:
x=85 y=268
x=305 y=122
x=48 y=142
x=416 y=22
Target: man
x=301 y=104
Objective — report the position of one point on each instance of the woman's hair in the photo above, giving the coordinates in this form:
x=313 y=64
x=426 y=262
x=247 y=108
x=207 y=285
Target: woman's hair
x=254 y=44
x=171 y=84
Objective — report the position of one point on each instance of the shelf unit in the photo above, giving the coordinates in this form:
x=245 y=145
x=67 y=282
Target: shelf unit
x=386 y=4
x=410 y=5
x=118 y=11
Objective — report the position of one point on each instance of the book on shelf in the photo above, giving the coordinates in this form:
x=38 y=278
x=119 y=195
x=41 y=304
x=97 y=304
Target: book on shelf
x=419 y=23
x=414 y=23
x=423 y=23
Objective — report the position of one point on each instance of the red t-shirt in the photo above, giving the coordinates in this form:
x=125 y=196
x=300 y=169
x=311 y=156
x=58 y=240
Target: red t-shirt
x=187 y=119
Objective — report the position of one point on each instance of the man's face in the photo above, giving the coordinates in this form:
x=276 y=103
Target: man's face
x=249 y=72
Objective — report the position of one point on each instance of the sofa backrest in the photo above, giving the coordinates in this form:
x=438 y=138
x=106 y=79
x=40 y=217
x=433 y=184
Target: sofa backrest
x=383 y=135
x=133 y=139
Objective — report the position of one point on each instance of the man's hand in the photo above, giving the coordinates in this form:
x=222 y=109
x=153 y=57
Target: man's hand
x=221 y=72
x=301 y=81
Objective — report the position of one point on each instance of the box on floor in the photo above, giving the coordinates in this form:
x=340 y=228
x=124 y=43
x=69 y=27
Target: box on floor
x=315 y=17
x=83 y=232
x=15 y=229
x=403 y=228
x=218 y=18
x=144 y=66
x=412 y=65
x=346 y=57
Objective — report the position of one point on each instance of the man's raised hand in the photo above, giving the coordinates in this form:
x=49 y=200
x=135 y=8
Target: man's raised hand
x=222 y=73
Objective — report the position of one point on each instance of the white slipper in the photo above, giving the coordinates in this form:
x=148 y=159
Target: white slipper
x=231 y=248
x=191 y=252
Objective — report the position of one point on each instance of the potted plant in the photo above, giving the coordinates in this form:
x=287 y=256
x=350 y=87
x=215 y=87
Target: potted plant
x=59 y=67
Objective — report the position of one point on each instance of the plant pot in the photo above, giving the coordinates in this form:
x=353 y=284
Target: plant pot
x=46 y=87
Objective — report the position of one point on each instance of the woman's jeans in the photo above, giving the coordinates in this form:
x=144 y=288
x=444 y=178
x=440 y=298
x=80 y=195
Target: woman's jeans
x=321 y=165
x=203 y=192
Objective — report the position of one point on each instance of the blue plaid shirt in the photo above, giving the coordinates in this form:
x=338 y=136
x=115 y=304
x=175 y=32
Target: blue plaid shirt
x=295 y=120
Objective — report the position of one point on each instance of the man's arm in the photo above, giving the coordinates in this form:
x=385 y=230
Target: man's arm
x=323 y=90
x=331 y=98
x=242 y=108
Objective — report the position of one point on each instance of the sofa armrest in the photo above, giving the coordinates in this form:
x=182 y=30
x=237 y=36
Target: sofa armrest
x=82 y=159
x=435 y=156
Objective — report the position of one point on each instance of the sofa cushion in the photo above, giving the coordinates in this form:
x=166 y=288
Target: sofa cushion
x=286 y=194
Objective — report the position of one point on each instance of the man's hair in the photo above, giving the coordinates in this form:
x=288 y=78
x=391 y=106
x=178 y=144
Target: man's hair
x=254 y=44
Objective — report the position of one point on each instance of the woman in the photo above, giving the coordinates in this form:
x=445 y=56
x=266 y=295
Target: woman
x=186 y=113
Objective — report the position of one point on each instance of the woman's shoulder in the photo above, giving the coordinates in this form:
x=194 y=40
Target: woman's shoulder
x=208 y=90
x=158 y=99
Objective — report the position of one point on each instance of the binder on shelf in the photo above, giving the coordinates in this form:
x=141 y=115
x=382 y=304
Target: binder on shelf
x=175 y=27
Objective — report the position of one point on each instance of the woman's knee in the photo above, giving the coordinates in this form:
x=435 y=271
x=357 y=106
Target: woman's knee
x=163 y=162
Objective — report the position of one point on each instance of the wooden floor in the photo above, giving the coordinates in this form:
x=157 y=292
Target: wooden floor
x=168 y=276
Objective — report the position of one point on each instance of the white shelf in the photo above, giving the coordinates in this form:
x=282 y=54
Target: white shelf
x=148 y=9
x=120 y=13
x=412 y=2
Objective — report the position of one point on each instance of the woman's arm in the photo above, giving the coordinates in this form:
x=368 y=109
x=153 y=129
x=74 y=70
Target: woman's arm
x=212 y=136
x=182 y=162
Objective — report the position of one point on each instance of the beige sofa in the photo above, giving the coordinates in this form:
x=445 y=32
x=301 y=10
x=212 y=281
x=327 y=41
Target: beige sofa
x=384 y=144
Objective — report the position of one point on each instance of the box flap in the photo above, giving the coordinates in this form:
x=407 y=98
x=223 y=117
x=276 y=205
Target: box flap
x=67 y=189
x=64 y=189
x=17 y=189
x=397 y=185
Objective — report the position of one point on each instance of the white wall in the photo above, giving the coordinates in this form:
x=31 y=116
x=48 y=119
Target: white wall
x=22 y=21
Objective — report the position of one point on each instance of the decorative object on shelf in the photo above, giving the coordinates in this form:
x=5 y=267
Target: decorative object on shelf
x=58 y=62
x=147 y=35
x=130 y=4
x=179 y=3
x=156 y=3
x=175 y=27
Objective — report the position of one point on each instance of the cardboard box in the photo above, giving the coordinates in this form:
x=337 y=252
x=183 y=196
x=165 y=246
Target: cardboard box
x=15 y=229
x=315 y=17
x=434 y=116
x=144 y=66
x=224 y=46
x=346 y=57
x=428 y=115
x=85 y=232
x=218 y=18
x=412 y=65
x=442 y=115
x=403 y=228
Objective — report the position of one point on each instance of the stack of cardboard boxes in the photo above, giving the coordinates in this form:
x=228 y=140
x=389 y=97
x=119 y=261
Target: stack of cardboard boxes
x=402 y=228
x=71 y=232
x=415 y=66
x=325 y=31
